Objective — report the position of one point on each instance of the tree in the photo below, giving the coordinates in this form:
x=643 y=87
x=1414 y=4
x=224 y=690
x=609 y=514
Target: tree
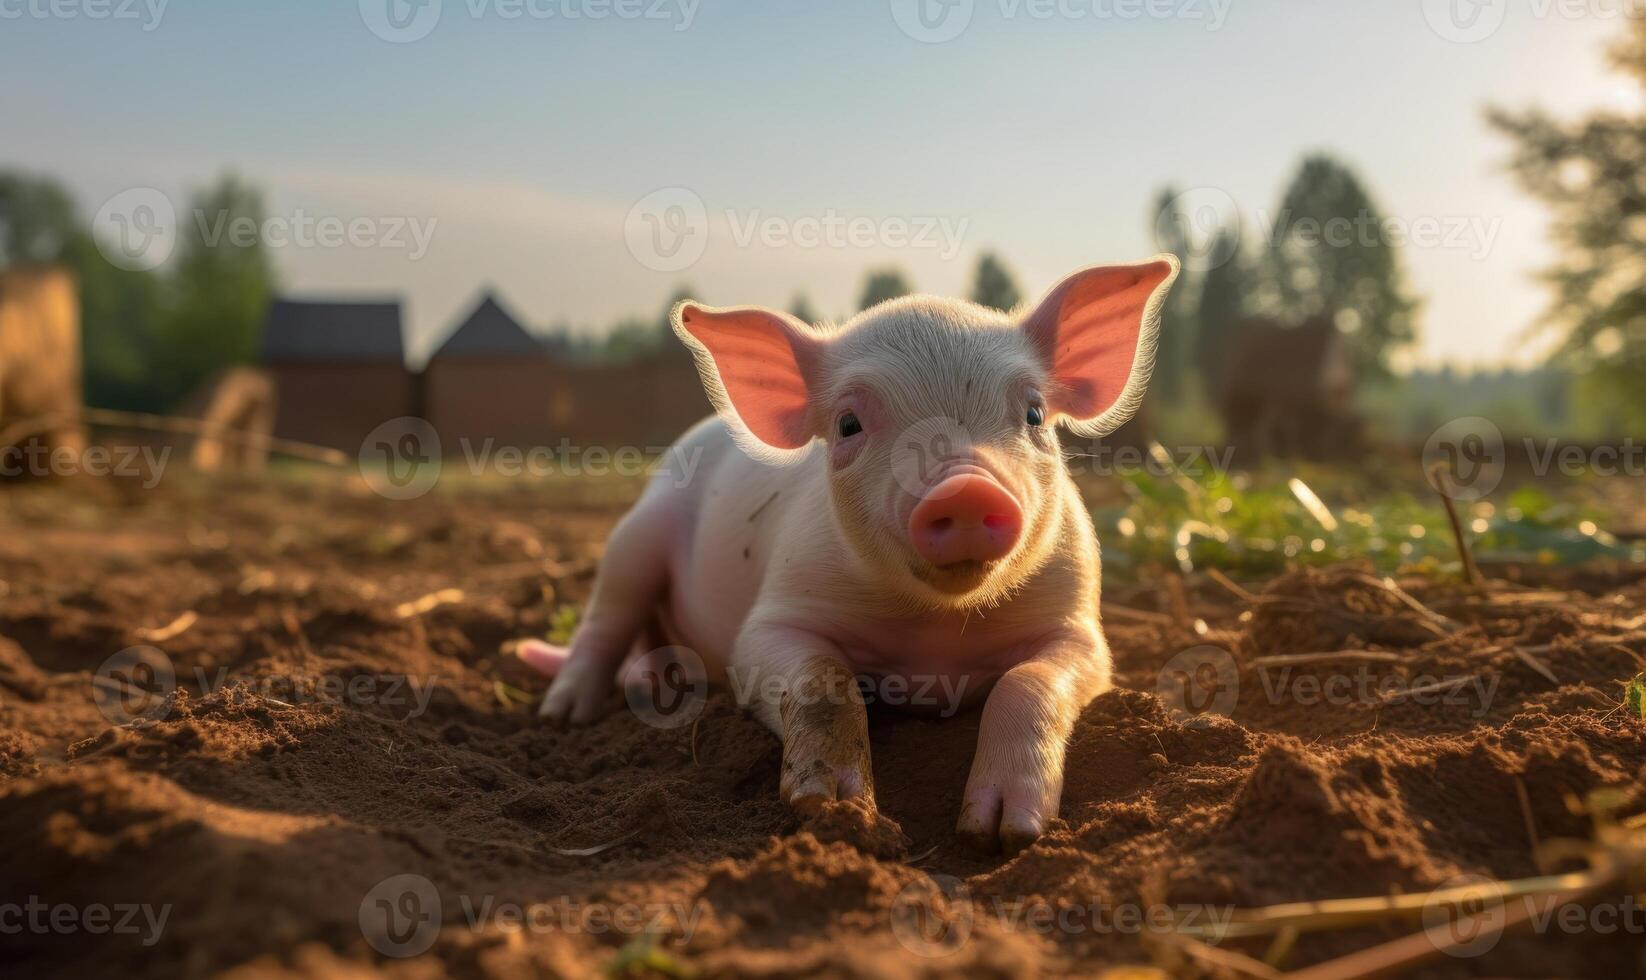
x=38 y=221
x=634 y=337
x=1220 y=311
x=221 y=287
x=1329 y=257
x=1173 y=231
x=1591 y=172
x=801 y=309
x=119 y=309
x=993 y=285
x=882 y=285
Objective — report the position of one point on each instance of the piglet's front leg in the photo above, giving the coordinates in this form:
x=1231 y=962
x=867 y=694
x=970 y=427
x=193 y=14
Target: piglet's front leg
x=810 y=698
x=1016 y=782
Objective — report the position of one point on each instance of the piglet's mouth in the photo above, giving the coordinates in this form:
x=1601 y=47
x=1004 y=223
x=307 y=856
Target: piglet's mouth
x=956 y=578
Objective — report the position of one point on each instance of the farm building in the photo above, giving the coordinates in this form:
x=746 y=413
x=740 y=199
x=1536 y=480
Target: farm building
x=490 y=380
x=646 y=403
x=1289 y=391
x=339 y=370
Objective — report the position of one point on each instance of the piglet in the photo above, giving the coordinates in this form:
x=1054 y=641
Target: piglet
x=885 y=502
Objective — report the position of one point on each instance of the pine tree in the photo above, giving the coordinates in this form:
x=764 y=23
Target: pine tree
x=1592 y=174
x=993 y=285
x=1329 y=256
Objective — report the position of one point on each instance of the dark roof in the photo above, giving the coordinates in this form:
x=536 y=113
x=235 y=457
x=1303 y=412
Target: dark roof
x=489 y=330
x=305 y=331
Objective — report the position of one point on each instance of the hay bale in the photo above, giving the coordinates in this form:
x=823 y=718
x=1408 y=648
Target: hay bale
x=40 y=354
x=238 y=402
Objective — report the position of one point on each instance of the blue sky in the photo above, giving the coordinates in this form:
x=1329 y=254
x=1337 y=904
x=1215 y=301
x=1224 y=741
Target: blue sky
x=523 y=144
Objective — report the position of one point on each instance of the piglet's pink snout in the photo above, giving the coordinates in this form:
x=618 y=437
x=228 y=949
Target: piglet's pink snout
x=967 y=517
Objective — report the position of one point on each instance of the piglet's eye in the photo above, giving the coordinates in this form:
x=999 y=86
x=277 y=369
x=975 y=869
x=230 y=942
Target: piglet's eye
x=849 y=426
x=1037 y=416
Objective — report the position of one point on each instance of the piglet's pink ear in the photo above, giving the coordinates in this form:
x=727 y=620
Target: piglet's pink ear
x=1096 y=332
x=758 y=367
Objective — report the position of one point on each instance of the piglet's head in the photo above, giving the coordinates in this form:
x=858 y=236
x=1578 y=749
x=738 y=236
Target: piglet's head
x=935 y=419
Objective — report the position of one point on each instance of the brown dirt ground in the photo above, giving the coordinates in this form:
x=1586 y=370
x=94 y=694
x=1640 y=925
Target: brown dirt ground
x=263 y=812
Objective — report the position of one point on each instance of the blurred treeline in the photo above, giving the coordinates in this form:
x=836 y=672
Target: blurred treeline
x=151 y=337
